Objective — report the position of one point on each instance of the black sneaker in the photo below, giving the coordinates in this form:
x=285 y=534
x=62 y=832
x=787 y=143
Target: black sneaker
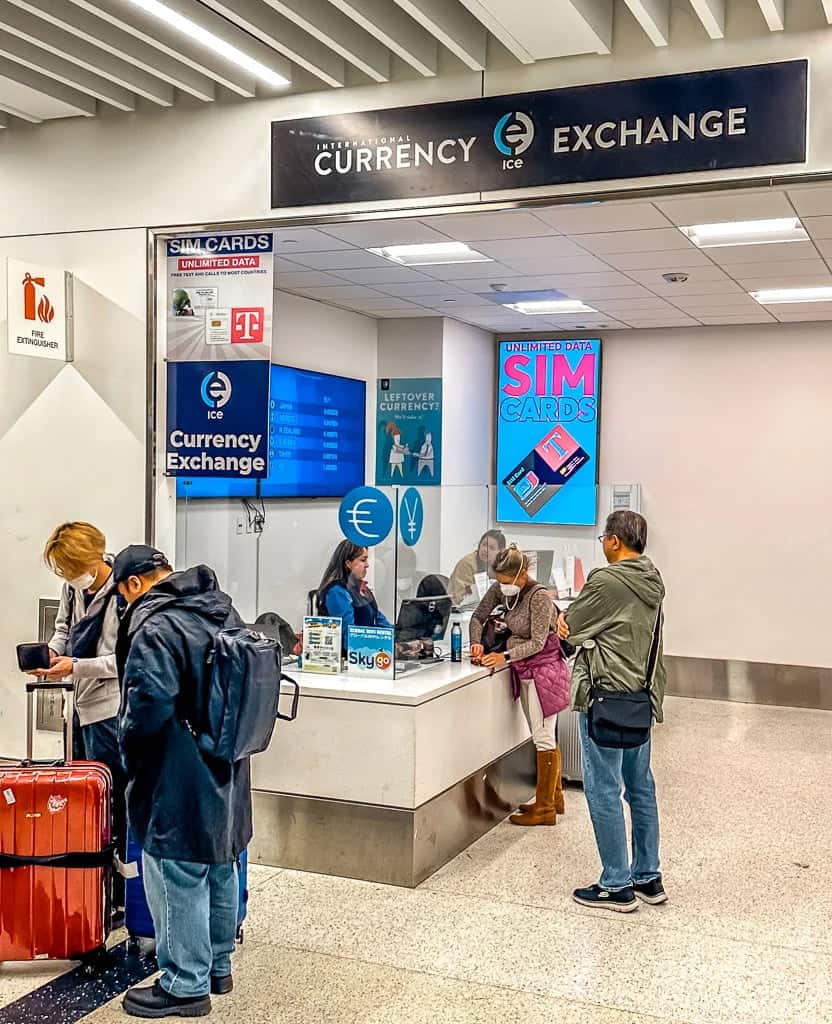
x=154 y=1002
x=222 y=985
x=651 y=892
x=623 y=901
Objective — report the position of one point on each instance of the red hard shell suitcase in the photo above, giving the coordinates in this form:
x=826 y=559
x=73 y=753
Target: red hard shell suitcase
x=55 y=853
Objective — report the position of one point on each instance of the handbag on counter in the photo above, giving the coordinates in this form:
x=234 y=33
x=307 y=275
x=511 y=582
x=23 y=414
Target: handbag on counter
x=620 y=719
x=496 y=632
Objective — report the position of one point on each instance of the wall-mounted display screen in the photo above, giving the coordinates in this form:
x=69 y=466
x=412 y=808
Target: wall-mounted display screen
x=317 y=440
x=547 y=431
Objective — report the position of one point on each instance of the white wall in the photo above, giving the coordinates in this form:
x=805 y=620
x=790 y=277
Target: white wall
x=275 y=572
x=727 y=429
x=122 y=186
x=71 y=436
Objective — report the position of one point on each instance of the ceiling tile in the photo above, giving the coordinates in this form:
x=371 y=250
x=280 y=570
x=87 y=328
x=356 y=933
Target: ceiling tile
x=585 y=264
x=666 y=260
x=621 y=306
x=751 y=317
x=406 y=313
x=342 y=291
x=825 y=246
x=548 y=247
x=737 y=300
x=820 y=310
x=384 y=275
x=477 y=227
x=807 y=317
x=671 y=321
x=697 y=277
x=586 y=218
x=470 y=271
x=812 y=202
x=377 y=233
x=734 y=206
x=378 y=301
x=614 y=242
x=428 y=289
x=284 y=266
x=628 y=291
x=726 y=255
x=306 y=279
x=348 y=259
x=290 y=241
x=818 y=227
x=777 y=270
x=755 y=284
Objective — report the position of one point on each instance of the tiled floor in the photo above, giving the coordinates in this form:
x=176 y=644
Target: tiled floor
x=494 y=936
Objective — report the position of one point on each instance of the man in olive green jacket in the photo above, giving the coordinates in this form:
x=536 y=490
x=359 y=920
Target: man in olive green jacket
x=613 y=624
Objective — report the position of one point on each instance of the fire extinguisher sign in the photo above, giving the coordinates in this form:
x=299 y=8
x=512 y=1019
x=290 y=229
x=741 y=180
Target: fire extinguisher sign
x=39 y=311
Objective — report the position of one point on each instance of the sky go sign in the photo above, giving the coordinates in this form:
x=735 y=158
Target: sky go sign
x=513 y=134
x=215 y=392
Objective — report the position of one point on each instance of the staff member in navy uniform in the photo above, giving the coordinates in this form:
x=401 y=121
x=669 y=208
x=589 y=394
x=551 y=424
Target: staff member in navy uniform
x=344 y=592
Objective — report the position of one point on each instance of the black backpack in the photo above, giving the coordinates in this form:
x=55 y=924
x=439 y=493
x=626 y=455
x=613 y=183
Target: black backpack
x=244 y=695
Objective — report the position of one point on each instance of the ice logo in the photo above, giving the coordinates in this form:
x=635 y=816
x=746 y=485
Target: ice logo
x=216 y=389
x=514 y=133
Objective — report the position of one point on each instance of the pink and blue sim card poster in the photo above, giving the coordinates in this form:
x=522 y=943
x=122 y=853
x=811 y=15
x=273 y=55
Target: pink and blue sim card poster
x=548 y=416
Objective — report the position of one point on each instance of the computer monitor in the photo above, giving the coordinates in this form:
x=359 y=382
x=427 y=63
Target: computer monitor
x=541 y=563
x=423 y=618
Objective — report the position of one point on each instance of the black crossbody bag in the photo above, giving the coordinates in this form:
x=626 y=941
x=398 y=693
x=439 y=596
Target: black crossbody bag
x=621 y=720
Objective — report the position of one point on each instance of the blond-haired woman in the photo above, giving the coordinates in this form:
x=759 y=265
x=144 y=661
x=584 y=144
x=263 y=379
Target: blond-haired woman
x=83 y=648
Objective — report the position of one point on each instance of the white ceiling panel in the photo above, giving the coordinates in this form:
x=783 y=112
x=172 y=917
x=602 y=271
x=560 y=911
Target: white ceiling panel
x=346 y=259
x=692 y=288
x=405 y=313
x=380 y=233
x=759 y=284
x=615 y=242
x=818 y=227
x=818 y=310
x=471 y=271
x=547 y=247
x=605 y=279
x=750 y=317
x=627 y=291
x=634 y=305
x=813 y=316
x=307 y=279
x=355 y=292
x=428 y=289
x=540 y=267
x=479 y=227
x=697 y=277
x=673 y=259
x=737 y=300
x=649 y=323
x=290 y=241
x=812 y=202
x=588 y=218
x=384 y=275
x=825 y=246
x=717 y=209
x=777 y=270
x=726 y=255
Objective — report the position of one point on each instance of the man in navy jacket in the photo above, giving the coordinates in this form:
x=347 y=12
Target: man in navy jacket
x=190 y=815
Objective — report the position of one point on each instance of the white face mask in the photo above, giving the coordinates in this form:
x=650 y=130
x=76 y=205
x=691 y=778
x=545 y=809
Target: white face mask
x=83 y=582
x=509 y=589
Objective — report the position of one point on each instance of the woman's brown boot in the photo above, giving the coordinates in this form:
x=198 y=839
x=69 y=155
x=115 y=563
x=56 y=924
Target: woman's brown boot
x=559 y=805
x=542 y=812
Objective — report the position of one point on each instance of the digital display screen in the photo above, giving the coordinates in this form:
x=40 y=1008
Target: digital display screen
x=317 y=440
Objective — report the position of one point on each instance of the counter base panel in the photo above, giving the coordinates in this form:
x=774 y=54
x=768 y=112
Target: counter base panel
x=750 y=682
x=391 y=845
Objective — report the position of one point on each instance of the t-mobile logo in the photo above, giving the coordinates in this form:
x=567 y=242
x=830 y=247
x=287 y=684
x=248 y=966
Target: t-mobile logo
x=247 y=326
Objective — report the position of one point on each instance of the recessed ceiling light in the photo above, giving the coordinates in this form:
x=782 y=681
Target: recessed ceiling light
x=552 y=307
x=777 y=296
x=746 y=232
x=431 y=254
x=207 y=39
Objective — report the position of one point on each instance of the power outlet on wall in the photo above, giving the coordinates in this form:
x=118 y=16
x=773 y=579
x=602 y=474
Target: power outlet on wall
x=241 y=525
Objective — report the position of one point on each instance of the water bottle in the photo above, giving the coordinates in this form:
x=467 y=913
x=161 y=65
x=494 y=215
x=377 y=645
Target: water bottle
x=456 y=639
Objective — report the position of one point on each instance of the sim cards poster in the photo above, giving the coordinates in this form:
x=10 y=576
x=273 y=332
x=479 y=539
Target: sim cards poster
x=548 y=419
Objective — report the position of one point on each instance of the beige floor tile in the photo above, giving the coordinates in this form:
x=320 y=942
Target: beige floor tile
x=18 y=980
x=286 y=986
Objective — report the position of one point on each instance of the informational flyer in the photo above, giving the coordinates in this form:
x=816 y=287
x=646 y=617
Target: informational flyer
x=322 y=645
x=547 y=431
x=409 y=431
x=220 y=295
x=370 y=651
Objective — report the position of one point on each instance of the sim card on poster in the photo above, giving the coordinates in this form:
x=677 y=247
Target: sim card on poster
x=548 y=467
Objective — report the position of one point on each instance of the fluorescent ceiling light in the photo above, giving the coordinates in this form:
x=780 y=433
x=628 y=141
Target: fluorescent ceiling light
x=551 y=307
x=209 y=40
x=431 y=254
x=777 y=296
x=746 y=232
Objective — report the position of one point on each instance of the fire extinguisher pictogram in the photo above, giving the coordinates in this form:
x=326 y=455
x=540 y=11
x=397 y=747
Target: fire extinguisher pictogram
x=30 y=295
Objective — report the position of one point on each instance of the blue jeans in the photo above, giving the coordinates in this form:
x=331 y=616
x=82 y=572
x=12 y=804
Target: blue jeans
x=607 y=774
x=194 y=909
x=101 y=744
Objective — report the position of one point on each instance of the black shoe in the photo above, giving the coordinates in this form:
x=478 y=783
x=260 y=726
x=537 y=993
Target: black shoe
x=222 y=985
x=154 y=1002
x=623 y=900
x=651 y=892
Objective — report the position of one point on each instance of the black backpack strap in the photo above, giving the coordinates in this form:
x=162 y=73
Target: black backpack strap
x=92 y=859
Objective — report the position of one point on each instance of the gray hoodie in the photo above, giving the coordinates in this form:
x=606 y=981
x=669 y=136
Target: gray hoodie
x=96 y=679
x=613 y=621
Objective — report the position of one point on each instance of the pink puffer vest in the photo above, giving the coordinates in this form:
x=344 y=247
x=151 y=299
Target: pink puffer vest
x=551 y=676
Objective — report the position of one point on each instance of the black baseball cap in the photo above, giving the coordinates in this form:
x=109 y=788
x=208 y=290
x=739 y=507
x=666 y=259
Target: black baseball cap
x=137 y=560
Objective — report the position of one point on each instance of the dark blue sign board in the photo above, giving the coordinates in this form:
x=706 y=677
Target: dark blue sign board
x=704 y=121
x=218 y=419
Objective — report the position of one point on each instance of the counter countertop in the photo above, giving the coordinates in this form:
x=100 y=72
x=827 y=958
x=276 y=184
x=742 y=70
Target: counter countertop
x=412 y=688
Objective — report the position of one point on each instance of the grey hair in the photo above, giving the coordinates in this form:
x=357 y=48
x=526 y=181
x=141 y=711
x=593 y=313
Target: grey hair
x=511 y=561
x=630 y=528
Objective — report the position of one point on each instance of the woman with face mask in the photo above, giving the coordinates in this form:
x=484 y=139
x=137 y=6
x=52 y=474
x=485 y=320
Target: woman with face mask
x=527 y=620
x=83 y=647
x=344 y=592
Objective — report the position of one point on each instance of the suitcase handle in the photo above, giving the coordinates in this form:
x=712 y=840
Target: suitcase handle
x=32 y=689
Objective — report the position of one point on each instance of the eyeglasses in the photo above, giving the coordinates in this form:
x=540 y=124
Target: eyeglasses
x=602 y=538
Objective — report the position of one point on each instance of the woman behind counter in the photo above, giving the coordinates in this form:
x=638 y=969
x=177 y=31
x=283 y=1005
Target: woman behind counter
x=344 y=593
x=539 y=673
x=463 y=578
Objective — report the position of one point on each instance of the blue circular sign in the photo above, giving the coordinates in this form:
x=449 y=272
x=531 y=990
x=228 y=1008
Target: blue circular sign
x=411 y=516
x=366 y=516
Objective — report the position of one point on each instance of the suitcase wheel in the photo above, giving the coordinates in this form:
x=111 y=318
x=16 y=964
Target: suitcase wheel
x=94 y=961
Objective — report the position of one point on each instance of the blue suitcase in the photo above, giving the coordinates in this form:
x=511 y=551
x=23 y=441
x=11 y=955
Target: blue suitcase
x=137 y=917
